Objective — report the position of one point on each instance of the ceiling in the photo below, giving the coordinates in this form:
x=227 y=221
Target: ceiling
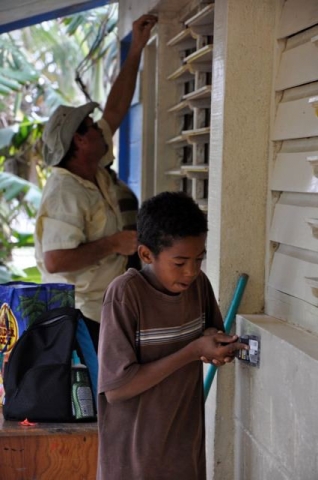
x=15 y=14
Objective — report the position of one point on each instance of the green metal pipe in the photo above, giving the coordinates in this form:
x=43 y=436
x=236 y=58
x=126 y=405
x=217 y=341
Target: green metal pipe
x=228 y=322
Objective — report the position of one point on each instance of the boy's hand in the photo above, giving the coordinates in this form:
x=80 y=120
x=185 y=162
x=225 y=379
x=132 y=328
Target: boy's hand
x=213 y=331
x=141 y=30
x=219 y=348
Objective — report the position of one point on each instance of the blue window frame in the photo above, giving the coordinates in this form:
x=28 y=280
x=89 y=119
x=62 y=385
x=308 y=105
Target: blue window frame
x=130 y=136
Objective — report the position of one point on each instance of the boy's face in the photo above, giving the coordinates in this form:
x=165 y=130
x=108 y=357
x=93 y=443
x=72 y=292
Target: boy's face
x=176 y=267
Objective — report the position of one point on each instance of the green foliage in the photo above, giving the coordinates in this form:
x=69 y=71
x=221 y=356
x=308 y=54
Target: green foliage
x=30 y=274
x=15 y=69
x=65 y=61
x=5 y=274
x=38 y=66
x=18 y=198
x=45 y=62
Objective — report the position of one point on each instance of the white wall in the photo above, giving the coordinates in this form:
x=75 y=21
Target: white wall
x=275 y=411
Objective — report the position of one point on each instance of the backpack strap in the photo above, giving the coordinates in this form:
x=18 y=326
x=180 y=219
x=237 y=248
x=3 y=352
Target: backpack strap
x=89 y=353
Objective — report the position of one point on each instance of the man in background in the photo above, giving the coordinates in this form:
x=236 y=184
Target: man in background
x=79 y=236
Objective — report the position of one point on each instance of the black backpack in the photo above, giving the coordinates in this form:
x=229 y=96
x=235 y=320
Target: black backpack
x=37 y=377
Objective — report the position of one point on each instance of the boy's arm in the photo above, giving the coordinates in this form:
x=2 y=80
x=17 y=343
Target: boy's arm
x=152 y=373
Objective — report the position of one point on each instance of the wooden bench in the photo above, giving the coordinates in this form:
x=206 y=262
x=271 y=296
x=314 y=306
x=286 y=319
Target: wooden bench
x=48 y=451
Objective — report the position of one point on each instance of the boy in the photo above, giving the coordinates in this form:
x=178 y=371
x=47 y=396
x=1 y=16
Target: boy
x=153 y=338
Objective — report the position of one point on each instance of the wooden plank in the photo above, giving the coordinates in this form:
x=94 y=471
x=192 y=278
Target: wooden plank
x=296 y=16
x=201 y=60
x=175 y=173
x=181 y=108
x=202 y=22
x=293 y=225
x=48 y=457
x=294 y=173
x=289 y=270
x=195 y=171
x=199 y=135
x=48 y=451
x=298 y=66
x=182 y=74
x=295 y=119
x=199 y=94
x=183 y=40
x=200 y=98
x=177 y=142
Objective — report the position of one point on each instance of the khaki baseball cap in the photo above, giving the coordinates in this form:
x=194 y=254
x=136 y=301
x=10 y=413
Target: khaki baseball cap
x=60 y=129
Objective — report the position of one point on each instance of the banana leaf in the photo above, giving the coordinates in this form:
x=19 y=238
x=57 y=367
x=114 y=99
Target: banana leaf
x=6 y=135
x=11 y=186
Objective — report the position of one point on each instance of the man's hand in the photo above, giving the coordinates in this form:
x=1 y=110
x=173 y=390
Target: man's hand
x=124 y=243
x=141 y=30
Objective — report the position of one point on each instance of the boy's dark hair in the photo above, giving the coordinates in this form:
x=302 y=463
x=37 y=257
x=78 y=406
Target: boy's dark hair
x=167 y=217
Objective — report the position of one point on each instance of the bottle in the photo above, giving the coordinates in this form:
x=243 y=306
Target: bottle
x=82 y=397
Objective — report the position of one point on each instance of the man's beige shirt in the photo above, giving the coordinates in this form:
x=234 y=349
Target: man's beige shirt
x=74 y=211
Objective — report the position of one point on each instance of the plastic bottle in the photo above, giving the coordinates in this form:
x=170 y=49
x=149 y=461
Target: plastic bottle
x=82 y=397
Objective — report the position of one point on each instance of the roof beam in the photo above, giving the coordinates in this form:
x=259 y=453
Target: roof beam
x=41 y=11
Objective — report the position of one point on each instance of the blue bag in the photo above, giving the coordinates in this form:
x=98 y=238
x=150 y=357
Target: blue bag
x=38 y=374
x=20 y=304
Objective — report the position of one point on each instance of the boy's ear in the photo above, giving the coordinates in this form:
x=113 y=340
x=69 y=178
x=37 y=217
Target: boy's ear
x=145 y=254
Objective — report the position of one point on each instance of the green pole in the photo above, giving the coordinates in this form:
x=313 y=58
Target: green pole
x=228 y=322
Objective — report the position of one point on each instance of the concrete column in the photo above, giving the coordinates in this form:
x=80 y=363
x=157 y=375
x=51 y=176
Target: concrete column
x=243 y=61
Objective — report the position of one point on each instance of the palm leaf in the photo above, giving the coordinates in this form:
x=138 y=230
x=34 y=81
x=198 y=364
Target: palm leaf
x=5 y=275
x=6 y=135
x=11 y=186
x=21 y=76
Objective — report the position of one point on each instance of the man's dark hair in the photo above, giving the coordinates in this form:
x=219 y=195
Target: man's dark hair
x=167 y=217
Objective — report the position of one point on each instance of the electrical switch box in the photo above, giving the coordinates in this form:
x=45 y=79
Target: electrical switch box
x=251 y=356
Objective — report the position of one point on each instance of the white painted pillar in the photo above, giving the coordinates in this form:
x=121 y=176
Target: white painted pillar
x=243 y=60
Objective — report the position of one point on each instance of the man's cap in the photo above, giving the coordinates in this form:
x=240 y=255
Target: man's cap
x=60 y=129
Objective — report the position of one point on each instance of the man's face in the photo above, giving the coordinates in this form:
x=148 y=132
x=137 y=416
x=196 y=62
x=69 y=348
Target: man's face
x=95 y=141
x=176 y=267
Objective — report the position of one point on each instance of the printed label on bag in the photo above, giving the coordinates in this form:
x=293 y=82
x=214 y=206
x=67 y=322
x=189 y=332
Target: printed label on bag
x=9 y=330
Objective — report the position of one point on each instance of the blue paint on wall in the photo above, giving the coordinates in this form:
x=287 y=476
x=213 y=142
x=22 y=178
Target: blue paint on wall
x=130 y=137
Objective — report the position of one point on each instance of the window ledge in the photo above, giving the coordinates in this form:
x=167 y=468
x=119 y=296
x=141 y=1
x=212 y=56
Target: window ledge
x=300 y=339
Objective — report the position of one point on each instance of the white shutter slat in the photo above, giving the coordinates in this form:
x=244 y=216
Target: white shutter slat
x=298 y=66
x=289 y=273
x=281 y=305
x=297 y=16
x=296 y=226
x=295 y=119
x=294 y=173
